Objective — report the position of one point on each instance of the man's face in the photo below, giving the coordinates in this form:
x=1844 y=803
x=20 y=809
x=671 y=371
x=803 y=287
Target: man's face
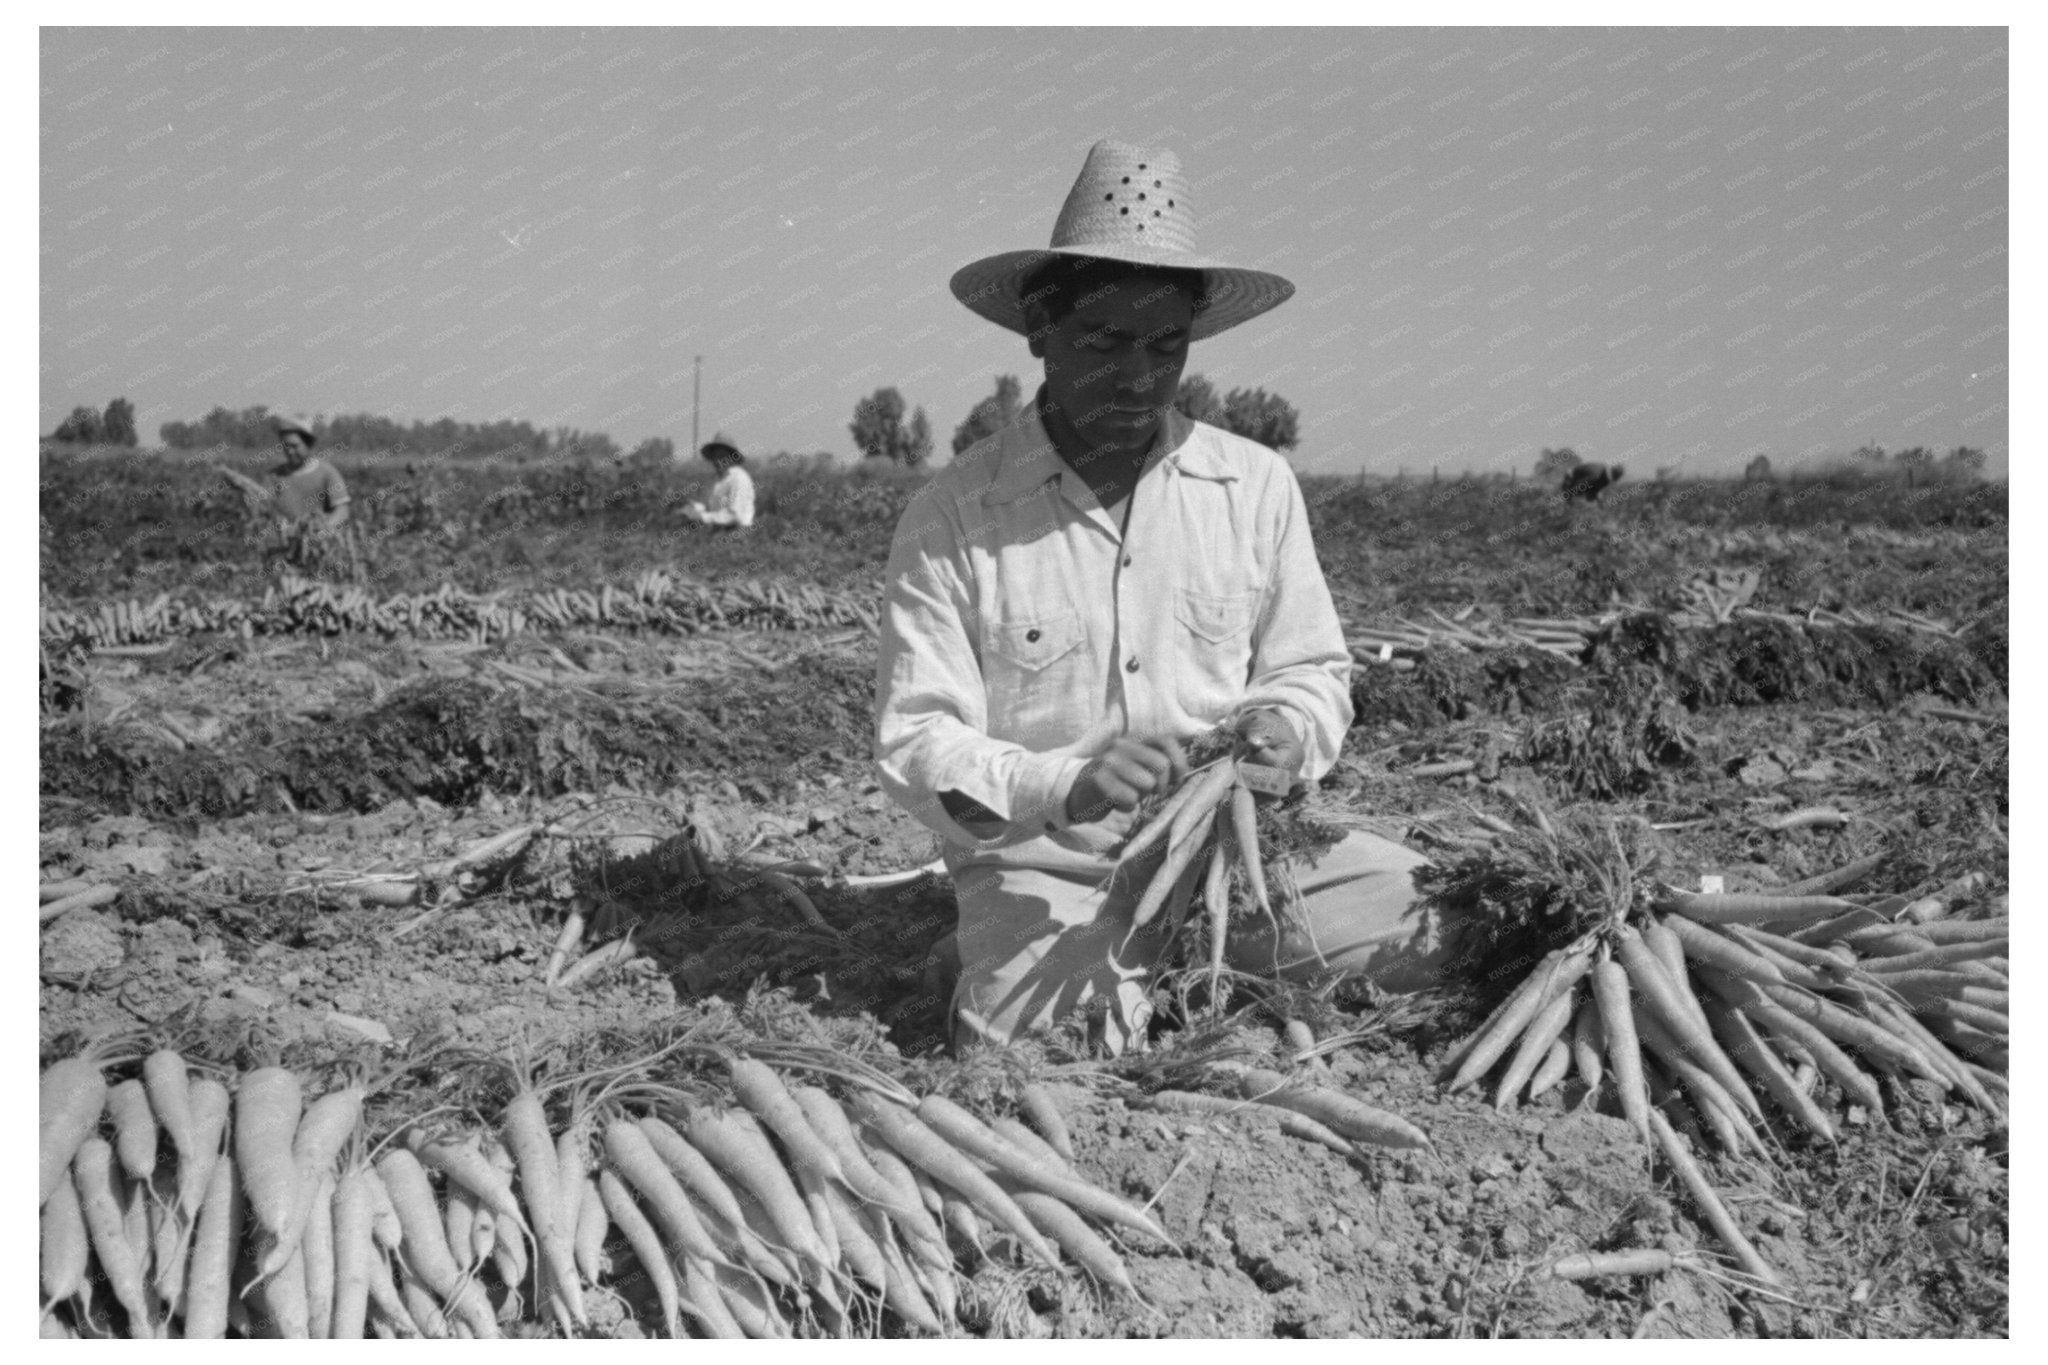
x=294 y=447
x=1113 y=365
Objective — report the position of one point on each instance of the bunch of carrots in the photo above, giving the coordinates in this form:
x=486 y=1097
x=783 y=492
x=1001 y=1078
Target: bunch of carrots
x=761 y=1207
x=1689 y=1005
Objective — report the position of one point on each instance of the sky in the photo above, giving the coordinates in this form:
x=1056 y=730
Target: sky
x=1666 y=248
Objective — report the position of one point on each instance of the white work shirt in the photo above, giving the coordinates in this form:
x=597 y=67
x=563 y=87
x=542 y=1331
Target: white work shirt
x=731 y=500
x=1023 y=628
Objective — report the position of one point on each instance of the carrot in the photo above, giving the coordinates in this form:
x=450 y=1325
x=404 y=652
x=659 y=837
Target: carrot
x=857 y=1246
x=1585 y=1043
x=65 y=1245
x=1709 y=1203
x=1624 y=1050
x=702 y=1301
x=699 y=1178
x=765 y=1096
x=1734 y=907
x=353 y=1249
x=210 y=1103
x=565 y=943
x=284 y=1298
x=811 y=1189
x=646 y=1244
x=1590 y=1265
x=1716 y=1105
x=628 y=1152
x=1748 y=1050
x=1659 y=995
x=266 y=1118
x=1543 y=1030
x=458 y=1225
x=421 y=1307
x=1161 y=823
x=92 y=1169
x=83 y=900
x=900 y=1289
x=386 y=1300
x=61 y=890
x=977 y=1139
x=426 y=1244
x=216 y=1234
x=1216 y=901
x=169 y=1090
x=1244 y=831
x=72 y=1095
x=593 y=1227
x=325 y=1128
x=1038 y=1106
x=917 y=1221
x=1557 y=1060
x=1556 y=973
x=1843 y=1026
x=572 y=1171
x=1180 y=856
x=465 y=1164
x=1841 y=879
x=524 y=1127
x=740 y=1149
x=1020 y=1136
x=1944 y=1060
x=1058 y=1221
x=1782 y=1024
x=916 y=1143
x=830 y=1123
x=170 y=1239
x=1353 y=1118
x=749 y=1305
x=1937 y=956
x=319 y=1251
x=1662 y=940
x=1964 y=930
x=1703 y=944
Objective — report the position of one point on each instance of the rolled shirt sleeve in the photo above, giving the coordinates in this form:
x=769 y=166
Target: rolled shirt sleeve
x=1300 y=663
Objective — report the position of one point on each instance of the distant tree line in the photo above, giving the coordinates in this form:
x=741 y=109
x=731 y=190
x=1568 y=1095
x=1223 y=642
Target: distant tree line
x=114 y=427
x=255 y=427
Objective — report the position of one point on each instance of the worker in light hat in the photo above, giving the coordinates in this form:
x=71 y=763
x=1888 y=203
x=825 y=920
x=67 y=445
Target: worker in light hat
x=730 y=503
x=305 y=489
x=1077 y=595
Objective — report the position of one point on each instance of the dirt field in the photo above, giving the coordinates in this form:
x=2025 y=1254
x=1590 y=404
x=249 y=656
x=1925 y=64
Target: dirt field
x=241 y=926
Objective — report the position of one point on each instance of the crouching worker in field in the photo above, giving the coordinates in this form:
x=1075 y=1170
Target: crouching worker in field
x=1075 y=596
x=730 y=503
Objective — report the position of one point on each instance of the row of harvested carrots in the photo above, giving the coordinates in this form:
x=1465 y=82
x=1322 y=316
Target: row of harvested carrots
x=306 y=605
x=786 y=1212
x=1684 y=1006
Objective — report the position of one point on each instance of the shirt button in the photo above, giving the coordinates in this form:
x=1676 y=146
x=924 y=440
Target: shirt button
x=1031 y=637
x=1131 y=667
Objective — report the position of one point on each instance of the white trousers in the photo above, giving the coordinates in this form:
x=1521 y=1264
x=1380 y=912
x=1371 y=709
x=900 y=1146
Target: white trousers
x=1036 y=944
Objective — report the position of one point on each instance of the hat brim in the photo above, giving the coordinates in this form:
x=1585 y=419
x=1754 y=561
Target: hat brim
x=993 y=285
x=295 y=429
x=709 y=446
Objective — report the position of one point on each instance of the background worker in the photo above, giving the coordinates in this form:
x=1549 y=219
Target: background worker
x=305 y=489
x=730 y=502
x=1082 y=592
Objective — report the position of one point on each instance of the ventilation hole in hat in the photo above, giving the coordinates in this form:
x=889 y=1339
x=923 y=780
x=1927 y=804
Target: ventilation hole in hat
x=1157 y=184
x=1155 y=213
x=1123 y=212
x=1127 y=180
x=1141 y=165
x=1141 y=227
x=1107 y=197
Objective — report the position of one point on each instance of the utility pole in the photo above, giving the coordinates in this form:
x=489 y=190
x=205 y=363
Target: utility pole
x=696 y=387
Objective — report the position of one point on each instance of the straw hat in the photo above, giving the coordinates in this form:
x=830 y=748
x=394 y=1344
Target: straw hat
x=720 y=441
x=1129 y=204
x=284 y=424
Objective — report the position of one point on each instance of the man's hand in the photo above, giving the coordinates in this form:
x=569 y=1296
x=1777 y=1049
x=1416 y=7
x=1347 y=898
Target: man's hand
x=1125 y=774
x=1265 y=737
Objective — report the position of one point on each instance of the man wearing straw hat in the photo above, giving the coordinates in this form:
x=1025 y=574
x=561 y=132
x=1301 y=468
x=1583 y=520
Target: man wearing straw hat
x=306 y=493
x=1077 y=595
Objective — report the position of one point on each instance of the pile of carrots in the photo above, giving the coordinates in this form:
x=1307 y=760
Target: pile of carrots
x=179 y=1203
x=1687 y=1005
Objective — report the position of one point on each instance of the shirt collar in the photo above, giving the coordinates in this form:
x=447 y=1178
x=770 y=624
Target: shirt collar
x=1029 y=460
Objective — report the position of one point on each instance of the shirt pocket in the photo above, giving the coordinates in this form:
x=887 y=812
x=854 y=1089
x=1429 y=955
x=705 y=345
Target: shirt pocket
x=1216 y=644
x=1032 y=671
